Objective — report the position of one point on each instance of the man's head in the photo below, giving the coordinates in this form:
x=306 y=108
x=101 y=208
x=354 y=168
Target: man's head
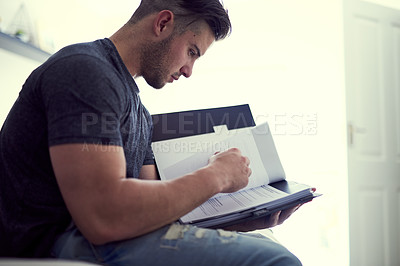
x=177 y=33
x=188 y=13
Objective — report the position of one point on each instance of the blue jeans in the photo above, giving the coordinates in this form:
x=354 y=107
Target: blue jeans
x=176 y=245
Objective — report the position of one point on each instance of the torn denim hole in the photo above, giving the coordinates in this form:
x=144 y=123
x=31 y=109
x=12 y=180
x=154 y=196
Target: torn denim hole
x=226 y=236
x=200 y=233
x=174 y=233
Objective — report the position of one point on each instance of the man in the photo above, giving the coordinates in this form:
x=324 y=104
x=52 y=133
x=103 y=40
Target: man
x=78 y=179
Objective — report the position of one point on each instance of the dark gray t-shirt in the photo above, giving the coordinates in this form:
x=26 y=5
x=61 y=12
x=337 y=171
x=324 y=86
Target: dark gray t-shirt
x=82 y=94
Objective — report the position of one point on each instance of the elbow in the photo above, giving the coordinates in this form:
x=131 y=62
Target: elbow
x=100 y=233
x=97 y=239
x=97 y=236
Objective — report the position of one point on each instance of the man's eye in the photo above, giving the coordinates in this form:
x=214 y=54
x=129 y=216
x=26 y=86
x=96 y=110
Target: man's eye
x=192 y=52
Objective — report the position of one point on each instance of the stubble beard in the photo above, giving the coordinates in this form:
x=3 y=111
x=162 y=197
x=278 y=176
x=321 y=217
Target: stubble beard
x=154 y=62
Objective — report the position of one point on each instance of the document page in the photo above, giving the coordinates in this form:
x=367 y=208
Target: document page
x=178 y=157
x=268 y=153
x=234 y=202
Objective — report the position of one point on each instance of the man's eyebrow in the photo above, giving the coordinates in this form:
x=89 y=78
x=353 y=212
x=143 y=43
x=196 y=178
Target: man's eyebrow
x=197 y=49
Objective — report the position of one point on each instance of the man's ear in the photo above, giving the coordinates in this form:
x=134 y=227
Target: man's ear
x=163 y=23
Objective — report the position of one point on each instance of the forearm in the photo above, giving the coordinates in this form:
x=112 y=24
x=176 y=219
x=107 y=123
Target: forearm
x=134 y=207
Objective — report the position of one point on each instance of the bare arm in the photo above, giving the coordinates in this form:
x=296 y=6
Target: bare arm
x=149 y=172
x=106 y=206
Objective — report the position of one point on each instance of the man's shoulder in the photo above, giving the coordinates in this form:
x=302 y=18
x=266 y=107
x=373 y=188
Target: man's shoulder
x=78 y=60
x=90 y=51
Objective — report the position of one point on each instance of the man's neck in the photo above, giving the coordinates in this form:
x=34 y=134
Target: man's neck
x=127 y=41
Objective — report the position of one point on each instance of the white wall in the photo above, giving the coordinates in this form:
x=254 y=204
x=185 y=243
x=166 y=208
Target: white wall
x=284 y=58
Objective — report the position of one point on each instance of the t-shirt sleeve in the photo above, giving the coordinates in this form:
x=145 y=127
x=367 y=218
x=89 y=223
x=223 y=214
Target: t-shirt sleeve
x=82 y=102
x=149 y=157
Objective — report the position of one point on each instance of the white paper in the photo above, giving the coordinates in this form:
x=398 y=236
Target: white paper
x=234 y=202
x=178 y=157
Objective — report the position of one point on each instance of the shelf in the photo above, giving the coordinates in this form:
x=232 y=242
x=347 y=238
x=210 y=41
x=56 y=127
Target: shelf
x=15 y=45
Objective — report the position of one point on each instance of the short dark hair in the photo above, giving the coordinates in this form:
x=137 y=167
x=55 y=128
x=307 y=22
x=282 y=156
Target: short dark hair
x=187 y=13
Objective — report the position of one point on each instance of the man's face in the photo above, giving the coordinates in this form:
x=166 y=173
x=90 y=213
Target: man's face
x=173 y=57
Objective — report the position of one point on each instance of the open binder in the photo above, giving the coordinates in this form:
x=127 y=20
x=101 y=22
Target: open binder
x=183 y=142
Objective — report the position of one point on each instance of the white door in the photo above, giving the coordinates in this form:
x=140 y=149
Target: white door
x=372 y=55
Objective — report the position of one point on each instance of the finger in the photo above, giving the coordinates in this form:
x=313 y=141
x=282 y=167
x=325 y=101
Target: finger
x=249 y=172
x=292 y=209
x=298 y=206
x=235 y=150
x=287 y=213
x=274 y=219
x=247 y=160
x=284 y=217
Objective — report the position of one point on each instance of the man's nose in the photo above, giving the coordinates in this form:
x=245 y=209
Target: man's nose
x=187 y=69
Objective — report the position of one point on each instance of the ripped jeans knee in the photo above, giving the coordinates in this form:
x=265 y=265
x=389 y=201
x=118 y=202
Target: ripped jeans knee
x=181 y=233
